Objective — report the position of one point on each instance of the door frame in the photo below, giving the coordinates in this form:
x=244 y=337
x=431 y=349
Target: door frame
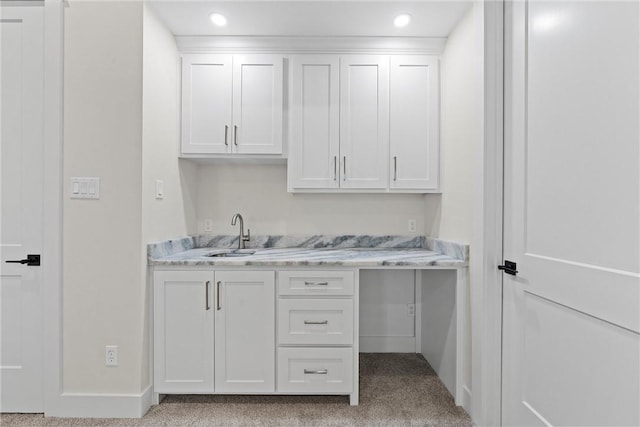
x=487 y=240
x=52 y=203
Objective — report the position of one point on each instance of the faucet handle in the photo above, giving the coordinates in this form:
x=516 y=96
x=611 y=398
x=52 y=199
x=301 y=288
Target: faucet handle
x=247 y=236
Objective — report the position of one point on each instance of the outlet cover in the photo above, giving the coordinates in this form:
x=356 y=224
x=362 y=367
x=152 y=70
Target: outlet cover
x=111 y=355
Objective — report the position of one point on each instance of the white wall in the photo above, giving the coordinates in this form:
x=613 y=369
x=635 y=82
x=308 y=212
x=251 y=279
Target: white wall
x=449 y=215
x=174 y=214
x=259 y=193
x=102 y=292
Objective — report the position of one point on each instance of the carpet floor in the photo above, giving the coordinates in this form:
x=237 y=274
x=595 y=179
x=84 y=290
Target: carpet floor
x=396 y=389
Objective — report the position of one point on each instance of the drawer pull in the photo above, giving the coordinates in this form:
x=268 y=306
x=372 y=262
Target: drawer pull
x=316 y=283
x=308 y=322
x=316 y=372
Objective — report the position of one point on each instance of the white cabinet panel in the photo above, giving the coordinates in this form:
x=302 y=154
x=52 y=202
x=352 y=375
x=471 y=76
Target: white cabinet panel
x=183 y=332
x=315 y=144
x=206 y=103
x=364 y=121
x=318 y=283
x=257 y=104
x=232 y=104
x=317 y=370
x=245 y=331
x=414 y=122
x=315 y=321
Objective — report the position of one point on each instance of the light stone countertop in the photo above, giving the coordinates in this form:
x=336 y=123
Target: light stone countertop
x=304 y=256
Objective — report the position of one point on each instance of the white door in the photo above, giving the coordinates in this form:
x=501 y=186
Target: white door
x=206 y=103
x=315 y=142
x=183 y=316
x=571 y=314
x=245 y=331
x=364 y=121
x=21 y=285
x=414 y=122
x=257 y=104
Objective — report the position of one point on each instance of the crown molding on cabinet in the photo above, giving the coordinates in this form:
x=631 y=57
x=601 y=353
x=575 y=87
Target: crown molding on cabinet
x=292 y=45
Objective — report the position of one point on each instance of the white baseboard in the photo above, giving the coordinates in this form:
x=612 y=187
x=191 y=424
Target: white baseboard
x=387 y=344
x=90 y=405
x=466 y=399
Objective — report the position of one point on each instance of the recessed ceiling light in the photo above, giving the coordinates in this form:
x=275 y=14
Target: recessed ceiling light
x=402 y=20
x=218 y=19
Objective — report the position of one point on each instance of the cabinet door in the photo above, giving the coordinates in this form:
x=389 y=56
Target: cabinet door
x=257 y=104
x=364 y=121
x=414 y=122
x=245 y=331
x=315 y=144
x=206 y=103
x=183 y=332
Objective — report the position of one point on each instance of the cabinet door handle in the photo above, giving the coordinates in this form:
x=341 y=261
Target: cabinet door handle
x=206 y=295
x=344 y=168
x=316 y=371
x=218 y=306
x=335 y=168
x=235 y=135
x=226 y=135
x=316 y=283
x=395 y=168
x=309 y=322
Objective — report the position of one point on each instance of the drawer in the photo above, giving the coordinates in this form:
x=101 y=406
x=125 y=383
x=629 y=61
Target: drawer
x=315 y=282
x=315 y=321
x=315 y=370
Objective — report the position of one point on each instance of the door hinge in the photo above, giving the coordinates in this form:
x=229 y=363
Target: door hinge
x=509 y=267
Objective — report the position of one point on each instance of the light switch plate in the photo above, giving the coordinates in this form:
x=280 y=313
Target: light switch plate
x=85 y=187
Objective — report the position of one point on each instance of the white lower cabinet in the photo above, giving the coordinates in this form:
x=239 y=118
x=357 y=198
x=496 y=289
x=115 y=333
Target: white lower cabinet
x=183 y=332
x=315 y=370
x=245 y=331
x=196 y=312
x=317 y=332
x=215 y=332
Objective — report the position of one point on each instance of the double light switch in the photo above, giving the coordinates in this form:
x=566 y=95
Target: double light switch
x=85 y=188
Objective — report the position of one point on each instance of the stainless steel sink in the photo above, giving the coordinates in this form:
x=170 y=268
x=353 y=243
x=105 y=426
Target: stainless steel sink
x=231 y=253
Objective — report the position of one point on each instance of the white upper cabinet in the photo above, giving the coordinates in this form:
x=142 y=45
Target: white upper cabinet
x=340 y=120
x=206 y=103
x=232 y=104
x=364 y=121
x=316 y=119
x=414 y=123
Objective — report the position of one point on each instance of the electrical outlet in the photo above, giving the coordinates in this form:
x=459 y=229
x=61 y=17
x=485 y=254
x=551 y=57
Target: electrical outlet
x=208 y=224
x=111 y=355
x=412 y=226
x=411 y=310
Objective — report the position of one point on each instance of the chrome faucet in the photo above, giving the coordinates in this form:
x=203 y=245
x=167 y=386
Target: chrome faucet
x=243 y=237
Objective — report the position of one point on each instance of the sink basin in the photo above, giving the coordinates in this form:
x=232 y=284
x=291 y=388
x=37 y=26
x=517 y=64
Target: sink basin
x=231 y=253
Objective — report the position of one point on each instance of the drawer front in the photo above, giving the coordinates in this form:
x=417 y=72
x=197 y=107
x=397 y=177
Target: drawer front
x=315 y=370
x=315 y=321
x=315 y=282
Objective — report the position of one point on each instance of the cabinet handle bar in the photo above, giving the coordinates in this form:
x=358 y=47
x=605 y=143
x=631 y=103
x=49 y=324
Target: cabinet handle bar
x=206 y=296
x=235 y=135
x=316 y=283
x=309 y=322
x=218 y=306
x=226 y=135
x=316 y=371
x=395 y=168
x=344 y=168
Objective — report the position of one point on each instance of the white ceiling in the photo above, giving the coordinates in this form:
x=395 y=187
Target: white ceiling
x=310 y=17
